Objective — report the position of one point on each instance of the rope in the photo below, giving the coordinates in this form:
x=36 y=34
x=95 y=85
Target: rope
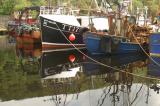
x=142 y=47
x=103 y=63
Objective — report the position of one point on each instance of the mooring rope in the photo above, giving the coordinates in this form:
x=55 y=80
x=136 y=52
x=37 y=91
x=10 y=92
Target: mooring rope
x=130 y=29
x=103 y=63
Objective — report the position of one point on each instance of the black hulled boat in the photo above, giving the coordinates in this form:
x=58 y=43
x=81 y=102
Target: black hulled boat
x=61 y=32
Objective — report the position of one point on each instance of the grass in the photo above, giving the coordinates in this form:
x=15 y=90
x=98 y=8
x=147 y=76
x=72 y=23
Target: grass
x=4 y=42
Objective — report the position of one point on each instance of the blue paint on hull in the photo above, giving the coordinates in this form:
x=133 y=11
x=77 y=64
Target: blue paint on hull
x=94 y=45
x=153 y=68
x=128 y=47
x=154 y=44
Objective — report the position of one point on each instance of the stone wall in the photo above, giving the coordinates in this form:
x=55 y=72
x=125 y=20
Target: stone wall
x=4 y=20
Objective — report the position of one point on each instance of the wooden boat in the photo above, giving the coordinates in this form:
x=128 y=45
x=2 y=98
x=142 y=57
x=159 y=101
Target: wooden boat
x=106 y=44
x=28 y=50
x=154 y=44
x=115 y=42
x=25 y=27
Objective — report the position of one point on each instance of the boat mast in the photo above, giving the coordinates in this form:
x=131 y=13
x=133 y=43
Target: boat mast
x=97 y=7
x=118 y=19
x=49 y=3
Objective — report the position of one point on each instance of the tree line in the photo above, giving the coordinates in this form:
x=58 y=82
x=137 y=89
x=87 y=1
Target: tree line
x=8 y=6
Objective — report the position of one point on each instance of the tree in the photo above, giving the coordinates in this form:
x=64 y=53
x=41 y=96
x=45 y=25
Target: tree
x=6 y=6
x=38 y=2
x=20 y=4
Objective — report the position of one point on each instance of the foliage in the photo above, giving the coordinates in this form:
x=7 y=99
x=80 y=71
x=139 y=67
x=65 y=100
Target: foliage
x=38 y=2
x=136 y=4
x=20 y=4
x=13 y=77
x=27 y=28
x=8 y=6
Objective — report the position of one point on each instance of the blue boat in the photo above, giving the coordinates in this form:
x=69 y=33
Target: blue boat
x=107 y=44
x=154 y=45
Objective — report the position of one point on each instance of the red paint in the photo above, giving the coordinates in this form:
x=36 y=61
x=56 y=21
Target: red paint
x=72 y=37
x=72 y=58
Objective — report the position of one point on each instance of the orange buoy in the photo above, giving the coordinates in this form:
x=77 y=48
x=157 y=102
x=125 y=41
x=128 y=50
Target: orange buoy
x=72 y=37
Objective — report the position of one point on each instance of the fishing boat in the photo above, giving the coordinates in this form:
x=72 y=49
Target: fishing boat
x=51 y=26
x=29 y=50
x=60 y=29
x=64 y=28
x=120 y=37
x=107 y=44
x=61 y=32
x=24 y=27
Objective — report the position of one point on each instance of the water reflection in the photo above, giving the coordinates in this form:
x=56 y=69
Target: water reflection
x=69 y=78
x=154 y=67
x=154 y=71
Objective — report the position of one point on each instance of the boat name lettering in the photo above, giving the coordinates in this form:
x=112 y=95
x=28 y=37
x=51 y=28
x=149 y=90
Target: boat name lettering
x=70 y=28
x=47 y=21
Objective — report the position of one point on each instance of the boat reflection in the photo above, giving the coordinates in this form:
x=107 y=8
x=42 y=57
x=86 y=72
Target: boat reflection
x=28 y=57
x=154 y=71
x=114 y=63
x=154 y=67
x=28 y=50
x=61 y=64
x=70 y=78
x=94 y=84
x=66 y=64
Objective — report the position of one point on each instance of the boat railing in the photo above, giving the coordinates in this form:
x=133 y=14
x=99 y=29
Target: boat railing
x=58 y=10
x=46 y=10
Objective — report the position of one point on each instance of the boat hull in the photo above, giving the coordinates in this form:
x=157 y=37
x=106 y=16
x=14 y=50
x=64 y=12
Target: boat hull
x=154 y=46
x=129 y=48
x=56 y=35
x=56 y=46
x=27 y=40
x=105 y=44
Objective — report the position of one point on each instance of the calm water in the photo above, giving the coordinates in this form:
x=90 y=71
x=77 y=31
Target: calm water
x=32 y=77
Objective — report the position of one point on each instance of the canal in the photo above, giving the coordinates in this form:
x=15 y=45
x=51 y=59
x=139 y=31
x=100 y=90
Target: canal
x=32 y=77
